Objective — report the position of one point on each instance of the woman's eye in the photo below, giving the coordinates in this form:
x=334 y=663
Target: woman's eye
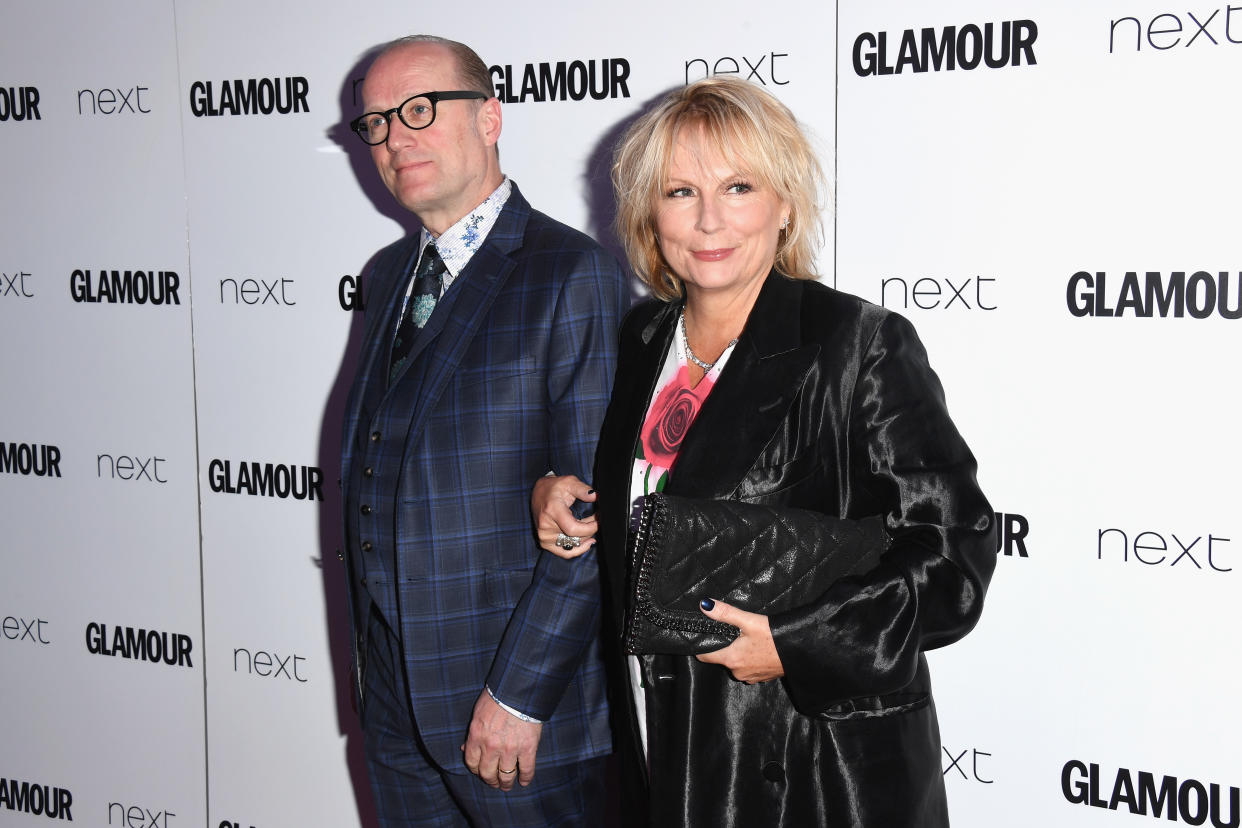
x=738 y=187
x=680 y=192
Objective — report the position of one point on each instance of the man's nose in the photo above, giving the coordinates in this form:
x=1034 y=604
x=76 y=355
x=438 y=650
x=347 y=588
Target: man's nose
x=399 y=135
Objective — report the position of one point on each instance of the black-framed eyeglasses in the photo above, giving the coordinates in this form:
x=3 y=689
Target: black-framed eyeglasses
x=416 y=112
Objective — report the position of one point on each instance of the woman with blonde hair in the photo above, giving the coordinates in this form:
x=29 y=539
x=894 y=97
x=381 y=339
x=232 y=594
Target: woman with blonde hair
x=745 y=382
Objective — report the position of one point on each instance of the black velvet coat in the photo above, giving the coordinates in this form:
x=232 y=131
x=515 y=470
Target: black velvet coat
x=827 y=403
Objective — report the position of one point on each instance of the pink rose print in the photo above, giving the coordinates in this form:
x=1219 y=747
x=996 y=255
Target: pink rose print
x=671 y=414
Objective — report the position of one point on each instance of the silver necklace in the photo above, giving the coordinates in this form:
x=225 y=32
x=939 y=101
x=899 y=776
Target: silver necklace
x=685 y=344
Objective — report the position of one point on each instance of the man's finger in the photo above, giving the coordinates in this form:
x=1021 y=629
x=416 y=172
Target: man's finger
x=526 y=768
x=471 y=755
x=506 y=779
x=489 y=767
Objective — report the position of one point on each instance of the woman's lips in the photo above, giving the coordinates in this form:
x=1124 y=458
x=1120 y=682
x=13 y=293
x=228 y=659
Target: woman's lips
x=713 y=255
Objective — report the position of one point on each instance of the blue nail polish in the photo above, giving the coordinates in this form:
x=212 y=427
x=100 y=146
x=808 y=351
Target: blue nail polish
x=707 y=604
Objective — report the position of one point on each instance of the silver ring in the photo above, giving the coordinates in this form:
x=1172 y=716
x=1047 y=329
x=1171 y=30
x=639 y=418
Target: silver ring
x=567 y=542
x=507 y=771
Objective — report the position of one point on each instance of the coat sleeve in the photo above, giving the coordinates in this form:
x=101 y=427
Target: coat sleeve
x=558 y=616
x=863 y=637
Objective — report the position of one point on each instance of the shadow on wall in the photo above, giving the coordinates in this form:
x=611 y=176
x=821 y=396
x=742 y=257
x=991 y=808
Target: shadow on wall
x=602 y=203
x=331 y=530
x=359 y=154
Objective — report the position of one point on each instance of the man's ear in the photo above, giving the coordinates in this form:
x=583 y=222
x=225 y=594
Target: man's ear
x=489 y=121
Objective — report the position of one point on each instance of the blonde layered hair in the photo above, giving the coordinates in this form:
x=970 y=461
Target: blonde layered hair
x=755 y=133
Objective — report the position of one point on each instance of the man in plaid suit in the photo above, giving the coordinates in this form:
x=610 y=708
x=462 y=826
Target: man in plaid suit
x=487 y=360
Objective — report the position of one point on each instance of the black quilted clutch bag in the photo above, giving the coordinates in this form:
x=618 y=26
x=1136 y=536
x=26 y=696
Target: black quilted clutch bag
x=760 y=558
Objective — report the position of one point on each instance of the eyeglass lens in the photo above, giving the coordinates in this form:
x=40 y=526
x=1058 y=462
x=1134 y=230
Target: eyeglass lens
x=416 y=113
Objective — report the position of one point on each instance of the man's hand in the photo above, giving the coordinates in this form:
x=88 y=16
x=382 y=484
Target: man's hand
x=752 y=656
x=499 y=741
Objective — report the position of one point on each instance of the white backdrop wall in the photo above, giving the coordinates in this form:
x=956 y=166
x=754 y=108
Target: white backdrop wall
x=995 y=186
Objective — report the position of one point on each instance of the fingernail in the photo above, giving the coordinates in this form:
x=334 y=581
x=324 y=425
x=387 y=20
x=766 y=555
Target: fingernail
x=707 y=604
x=590 y=491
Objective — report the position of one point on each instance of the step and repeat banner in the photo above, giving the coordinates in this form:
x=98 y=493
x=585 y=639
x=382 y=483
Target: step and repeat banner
x=1048 y=191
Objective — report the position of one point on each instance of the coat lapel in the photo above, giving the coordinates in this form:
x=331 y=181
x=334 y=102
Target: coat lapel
x=636 y=379
x=751 y=397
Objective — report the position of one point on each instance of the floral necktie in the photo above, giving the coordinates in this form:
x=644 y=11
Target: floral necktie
x=428 y=280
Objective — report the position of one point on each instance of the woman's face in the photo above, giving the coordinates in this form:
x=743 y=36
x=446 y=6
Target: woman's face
x=718 y=228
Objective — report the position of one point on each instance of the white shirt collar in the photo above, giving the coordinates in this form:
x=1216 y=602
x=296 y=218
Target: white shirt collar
x=458 y=244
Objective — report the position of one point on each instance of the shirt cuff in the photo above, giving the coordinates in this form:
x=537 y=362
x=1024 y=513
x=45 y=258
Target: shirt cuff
x=509 y=709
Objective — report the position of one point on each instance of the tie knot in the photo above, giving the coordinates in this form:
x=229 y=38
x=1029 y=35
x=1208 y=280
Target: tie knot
x=431 y=264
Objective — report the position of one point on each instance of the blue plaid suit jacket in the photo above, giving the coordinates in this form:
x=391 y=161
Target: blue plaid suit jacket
x=510 y=378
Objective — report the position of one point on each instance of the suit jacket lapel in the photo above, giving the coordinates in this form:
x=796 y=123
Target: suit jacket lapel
x=441 y=345
x=751 y=397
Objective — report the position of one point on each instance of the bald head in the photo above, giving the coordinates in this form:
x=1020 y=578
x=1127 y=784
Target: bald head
x=472 y=72
x=444 y=170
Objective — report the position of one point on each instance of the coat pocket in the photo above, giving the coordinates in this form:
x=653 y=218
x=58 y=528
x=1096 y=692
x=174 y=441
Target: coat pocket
x=763 y=483
x=874 y=707
x=880 y=744
x=495 y=372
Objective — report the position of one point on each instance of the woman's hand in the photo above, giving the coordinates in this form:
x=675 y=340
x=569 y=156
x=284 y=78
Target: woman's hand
x=550 y=503
x=752 y=656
